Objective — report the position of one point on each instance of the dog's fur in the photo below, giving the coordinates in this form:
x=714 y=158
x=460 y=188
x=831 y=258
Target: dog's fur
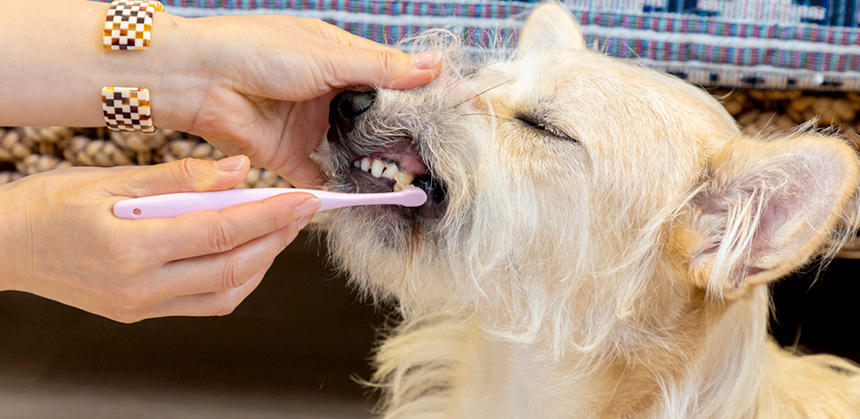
x=610 y=262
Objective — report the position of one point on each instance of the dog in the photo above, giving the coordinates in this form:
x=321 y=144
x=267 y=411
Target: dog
x=597 y=241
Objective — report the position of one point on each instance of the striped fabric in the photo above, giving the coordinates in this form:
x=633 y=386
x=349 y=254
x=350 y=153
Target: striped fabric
x=809 y=44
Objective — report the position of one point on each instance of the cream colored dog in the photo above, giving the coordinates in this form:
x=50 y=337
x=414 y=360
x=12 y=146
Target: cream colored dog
x=597 y=244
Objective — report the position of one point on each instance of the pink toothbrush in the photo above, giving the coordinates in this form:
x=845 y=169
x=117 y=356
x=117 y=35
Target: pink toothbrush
x=173 y=205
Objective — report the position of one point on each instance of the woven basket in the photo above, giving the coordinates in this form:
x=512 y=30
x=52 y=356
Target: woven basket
x=29 y=150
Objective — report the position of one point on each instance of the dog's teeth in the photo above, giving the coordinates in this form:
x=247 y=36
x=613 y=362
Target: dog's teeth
x=377 y=167
x=404 y=178
x=356 y=164
x=390 y=171
x=365 y=164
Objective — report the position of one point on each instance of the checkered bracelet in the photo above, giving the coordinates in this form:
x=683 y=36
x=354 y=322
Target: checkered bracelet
x=127 y=109
x=128 y=26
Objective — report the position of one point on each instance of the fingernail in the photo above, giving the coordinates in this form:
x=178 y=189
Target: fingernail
x=427 y=59
x=307 y=208
x=230 y=164
x=303 y=222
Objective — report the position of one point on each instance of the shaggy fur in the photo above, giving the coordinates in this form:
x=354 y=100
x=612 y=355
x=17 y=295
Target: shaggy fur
x=605 y=244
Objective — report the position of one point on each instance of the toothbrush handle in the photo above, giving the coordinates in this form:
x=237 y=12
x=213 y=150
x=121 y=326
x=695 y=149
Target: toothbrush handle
x=174 y=205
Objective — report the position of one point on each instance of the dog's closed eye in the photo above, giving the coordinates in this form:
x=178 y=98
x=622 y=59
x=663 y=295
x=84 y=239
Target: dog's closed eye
x=547 y=128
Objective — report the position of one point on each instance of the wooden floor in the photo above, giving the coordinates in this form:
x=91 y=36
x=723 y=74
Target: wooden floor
x=288 y=352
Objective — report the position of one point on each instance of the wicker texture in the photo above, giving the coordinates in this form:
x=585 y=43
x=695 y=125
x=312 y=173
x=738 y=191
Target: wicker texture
x=29 y=150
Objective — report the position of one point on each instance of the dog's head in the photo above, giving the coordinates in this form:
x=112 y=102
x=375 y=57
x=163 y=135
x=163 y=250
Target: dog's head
x=562 y=181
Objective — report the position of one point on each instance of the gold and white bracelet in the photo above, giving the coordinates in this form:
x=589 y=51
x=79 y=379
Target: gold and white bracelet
x=127 y=109
x=128 y=26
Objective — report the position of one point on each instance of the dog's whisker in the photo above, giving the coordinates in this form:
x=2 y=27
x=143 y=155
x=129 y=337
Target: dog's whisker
x=489 y=115
x=469 y=99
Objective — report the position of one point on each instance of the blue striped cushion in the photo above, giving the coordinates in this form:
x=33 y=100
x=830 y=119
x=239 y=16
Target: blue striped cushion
x=809 y=44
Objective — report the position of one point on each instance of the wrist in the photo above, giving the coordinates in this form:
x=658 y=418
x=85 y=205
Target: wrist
x=54 y=66
x=179 y=62
x=172 y=69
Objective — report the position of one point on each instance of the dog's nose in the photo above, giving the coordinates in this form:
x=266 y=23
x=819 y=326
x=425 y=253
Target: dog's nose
x=348 y=105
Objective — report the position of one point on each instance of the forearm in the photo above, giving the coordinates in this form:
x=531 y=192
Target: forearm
x=53 y=65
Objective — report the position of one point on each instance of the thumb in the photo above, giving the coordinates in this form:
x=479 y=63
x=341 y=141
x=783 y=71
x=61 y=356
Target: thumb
x=389 y=67
x=186 y=175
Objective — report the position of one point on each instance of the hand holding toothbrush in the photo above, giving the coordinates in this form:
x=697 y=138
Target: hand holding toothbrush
x=61 y=241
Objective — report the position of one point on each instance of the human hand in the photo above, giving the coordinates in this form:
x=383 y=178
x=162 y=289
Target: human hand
x=254 y=85
x=268 y=81
x=59 y=240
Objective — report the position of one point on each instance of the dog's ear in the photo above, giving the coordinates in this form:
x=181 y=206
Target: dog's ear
x=764 y=209
x=551 y=25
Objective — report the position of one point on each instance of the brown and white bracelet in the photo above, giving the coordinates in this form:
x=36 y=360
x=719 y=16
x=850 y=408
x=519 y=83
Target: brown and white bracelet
x=128 y=25
x=127 y=109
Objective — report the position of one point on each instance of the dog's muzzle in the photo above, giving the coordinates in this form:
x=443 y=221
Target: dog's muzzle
x=396 y=165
